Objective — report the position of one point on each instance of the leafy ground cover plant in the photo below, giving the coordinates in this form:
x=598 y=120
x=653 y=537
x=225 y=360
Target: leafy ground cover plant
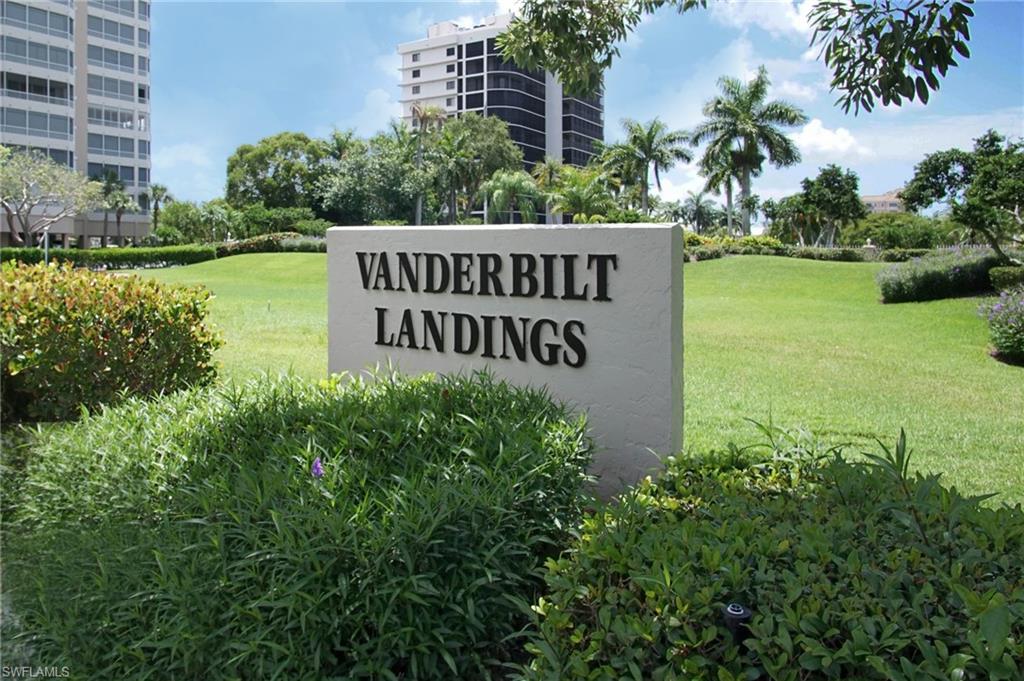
x=960 y=273
x=1006 y=324
x=73 y=338
x=1004 y=278
x=851 y=570
x=285 y=529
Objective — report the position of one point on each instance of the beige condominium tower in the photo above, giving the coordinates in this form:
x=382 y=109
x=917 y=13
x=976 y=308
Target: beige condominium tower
x=74 y=84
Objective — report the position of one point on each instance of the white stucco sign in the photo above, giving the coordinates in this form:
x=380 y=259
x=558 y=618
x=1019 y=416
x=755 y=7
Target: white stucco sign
x=593 y=312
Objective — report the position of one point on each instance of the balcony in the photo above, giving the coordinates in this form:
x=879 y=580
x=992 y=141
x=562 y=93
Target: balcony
x=45 y=99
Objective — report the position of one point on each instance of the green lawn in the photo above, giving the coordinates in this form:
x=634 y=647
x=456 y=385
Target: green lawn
x=805 y=343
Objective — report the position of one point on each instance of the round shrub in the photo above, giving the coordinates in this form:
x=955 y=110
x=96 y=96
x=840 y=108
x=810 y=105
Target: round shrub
x=1006 y=324
x=1004 y=278
x=360 y=530
x=851 y=571
x=72 y=338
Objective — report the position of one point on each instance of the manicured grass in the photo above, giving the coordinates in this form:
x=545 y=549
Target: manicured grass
x=803 y=343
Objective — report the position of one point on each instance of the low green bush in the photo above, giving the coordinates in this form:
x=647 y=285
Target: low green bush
x=402 y=223
x=760 y=242
x=265 y=243
x=257 y=220
x=693 y=240
x=960 y=273
x=285 y=529
x=851 y=571
x=831 y=254
x=1006 y=324
x=72 y=338
x=897 y=230
x=704 y=253
x=315 y=227
x=304 y=245
x=115 y=258
x=904 y=254
x=1004 y=278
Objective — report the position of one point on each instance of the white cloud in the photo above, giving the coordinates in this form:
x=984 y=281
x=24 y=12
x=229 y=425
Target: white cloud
x=791 y=89
x=188 y=170
x=815 y=140
x=379 y=107
x=388 y=64
x=679 y=182
x=778 y=17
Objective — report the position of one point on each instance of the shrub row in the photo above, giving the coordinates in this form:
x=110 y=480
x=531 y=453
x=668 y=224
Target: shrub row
x=265 y=243
x=1005 y=278
x=850 y=570
x=367 y=530
x=1006 y=324
x=304 y=245
x=960 y=273
x=904 y=254
x=114 y=258
x=72 y=338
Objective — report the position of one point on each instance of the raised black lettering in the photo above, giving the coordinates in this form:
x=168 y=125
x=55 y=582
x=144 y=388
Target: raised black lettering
x=602 y=272
x=488 y=336
x=549 y=274
x=433 y=330
x=383 y=272
x=575 y=343
x=524 y=266
x=551 y=357
x=569 y=274
x=365 y=267
x=406 y=330
x=436 y=284
x=465 y=346
x=409 y=272
x=381 y=314
x=509 y=333
x=490 y=267
x=461 y=263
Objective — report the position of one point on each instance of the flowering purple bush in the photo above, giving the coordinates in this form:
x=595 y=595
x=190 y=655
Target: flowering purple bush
x=1006 y=324
x=959 y=273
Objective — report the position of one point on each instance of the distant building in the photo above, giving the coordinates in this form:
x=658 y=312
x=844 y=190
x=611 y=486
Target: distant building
x=74 y=84
x=888 y=202
x=459 y=69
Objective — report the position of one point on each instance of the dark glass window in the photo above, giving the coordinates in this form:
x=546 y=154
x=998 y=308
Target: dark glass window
x=450 y=52
x=415 y=73
x=474 y=66
x=450 y=68
x=475 y=49
x=492 y=46
x=475 y=101
x=511 y=98
x=475 y=83
x=517 y=117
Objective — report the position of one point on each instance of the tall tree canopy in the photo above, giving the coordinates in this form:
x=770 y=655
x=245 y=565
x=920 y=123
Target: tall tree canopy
x=742 y=129
x=834 y=196
x=647 y=146
x=886 y=50
x=278 y=171
x=984 y=188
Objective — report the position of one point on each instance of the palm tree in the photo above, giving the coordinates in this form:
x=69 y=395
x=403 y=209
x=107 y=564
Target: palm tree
x=454 y=164
x=158 y=195
x=121 y=202
x=511 y=190
x=698 y=211
x=649 y=145
x=427 y=118
x=548 y=175
x=742 y=124
x=110 y=184
x=584 y=192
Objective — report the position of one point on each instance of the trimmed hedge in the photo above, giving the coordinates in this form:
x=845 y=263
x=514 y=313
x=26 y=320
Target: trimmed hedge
x=304 y=245
x=704 y=253
x=115 y=258
x=961 y=273
x=265 y=243
x=830 y=254
x=287 y=529
x=851 y=571
x=72 y=338
x=1005 y=278
x=904 y=254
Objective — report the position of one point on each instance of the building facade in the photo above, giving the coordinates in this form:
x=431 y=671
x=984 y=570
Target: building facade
x=75 y=84
x=888 y=202
x=460 y=69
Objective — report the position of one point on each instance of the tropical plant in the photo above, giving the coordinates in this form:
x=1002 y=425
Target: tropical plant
x=741 y=123
x=886 y=50
x=647 y=145
x=110 y=186
x=509 y=191
x=719 y=172
x=121 y=202
x=835 y=195
x=158 y=196
x=426 y=119
x=547 y=173
x=584 y=192
x=698 y=211
x=36 y=192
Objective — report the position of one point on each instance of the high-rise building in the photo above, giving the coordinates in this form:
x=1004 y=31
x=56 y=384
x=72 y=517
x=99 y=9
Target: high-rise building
x=460 y=69
x=74 y=83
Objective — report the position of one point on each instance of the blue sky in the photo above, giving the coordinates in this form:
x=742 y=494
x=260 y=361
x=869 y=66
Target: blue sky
x=229 y=73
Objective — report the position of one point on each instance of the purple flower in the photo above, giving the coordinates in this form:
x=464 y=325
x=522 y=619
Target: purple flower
x=318 y=468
